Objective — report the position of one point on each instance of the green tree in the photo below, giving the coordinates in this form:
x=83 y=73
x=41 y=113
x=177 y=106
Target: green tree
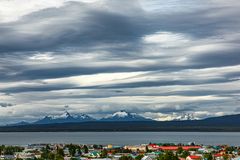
x=185 y=154
x=85 y=148
x=229 y=150
x=45 y=153
x=59 y=157
x=225 y=157
x=79 y=150
x=2 y=147
x=51 y=156
x=95 y=146
x=10 y=150
x=72 y=149
x=104 y=153
x=208 y=156
x=147 y=149
x=179 y=150
x=126 y=158
x=60 y=152
x=168 y=155
x=139 y=157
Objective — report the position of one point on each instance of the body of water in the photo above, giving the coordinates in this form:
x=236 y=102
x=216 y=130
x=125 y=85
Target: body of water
x=120 y=138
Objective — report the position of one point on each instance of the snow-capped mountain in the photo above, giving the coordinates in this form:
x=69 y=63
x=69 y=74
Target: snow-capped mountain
x=65 y=118
x=125 y=116
x=186 y=117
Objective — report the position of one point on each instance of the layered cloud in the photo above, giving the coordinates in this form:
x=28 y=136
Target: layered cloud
x=160 y=59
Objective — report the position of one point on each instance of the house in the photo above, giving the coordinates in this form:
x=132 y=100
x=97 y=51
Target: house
x=25 y=155
x=136 y=148
x=94 y=154
x=236 y=158
x=146 y=158
x=116 y=157
x=218 y=156
x=171 y=148
x=66 y=151
x=7 y=157
x=194 y=157
x=67 y=158
x=153 y=155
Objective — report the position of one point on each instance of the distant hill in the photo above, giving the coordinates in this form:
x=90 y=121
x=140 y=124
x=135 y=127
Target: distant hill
x=19 y=124
x=231 y=120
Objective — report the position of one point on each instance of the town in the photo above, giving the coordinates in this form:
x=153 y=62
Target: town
x=151 y=151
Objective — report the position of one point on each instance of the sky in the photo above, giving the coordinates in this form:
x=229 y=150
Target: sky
x=158 y=58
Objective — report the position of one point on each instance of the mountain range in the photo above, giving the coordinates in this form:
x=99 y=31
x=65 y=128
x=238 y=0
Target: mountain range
x=125 y=121
x=66 y=117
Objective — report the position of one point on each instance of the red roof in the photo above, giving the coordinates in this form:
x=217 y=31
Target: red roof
x=217 y=155
x=194 y=157
x=174 y=147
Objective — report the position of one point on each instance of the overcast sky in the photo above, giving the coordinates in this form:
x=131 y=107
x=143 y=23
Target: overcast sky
x=158 y=58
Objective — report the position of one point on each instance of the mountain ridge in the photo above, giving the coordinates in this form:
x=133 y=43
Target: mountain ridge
x=232 y=121
x=66 y=117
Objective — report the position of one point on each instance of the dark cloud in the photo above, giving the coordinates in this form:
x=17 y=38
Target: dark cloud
x=217 y=59
x=110 y=36
x=81 y=26
x=5 y=104
x=64 y=86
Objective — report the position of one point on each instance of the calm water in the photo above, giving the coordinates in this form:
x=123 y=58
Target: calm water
x=119 y=138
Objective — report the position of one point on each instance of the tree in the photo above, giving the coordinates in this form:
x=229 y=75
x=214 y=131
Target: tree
x=225 y=157
x=51 y=156
x=168 y=155
x=179 y=150
x=72 y=149
x=60 y=152
x=208 y=156
x=85 y=148
x=45 y=152
x=48 y=147
x=104 y=153
x=59 y=157
x=147 y=149
x=229 y=150
x=185 y=154
x=79 y=150
x=126 y=158
x=2 y=147
x=10 y=150
x=95 y=146
x=139 y=157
